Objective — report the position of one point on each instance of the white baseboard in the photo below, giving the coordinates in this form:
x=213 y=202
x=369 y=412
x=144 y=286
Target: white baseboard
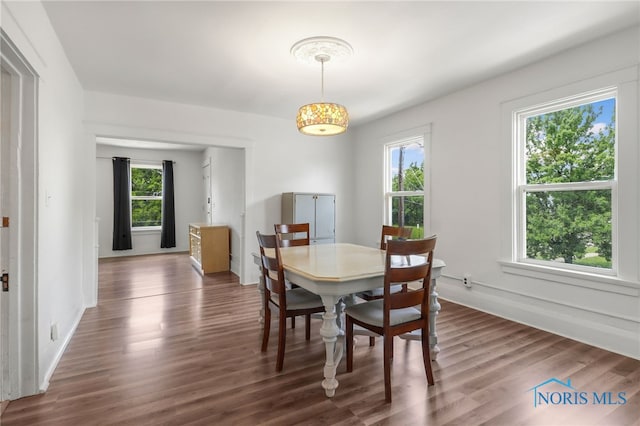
x=624 y=340
x=44 y=385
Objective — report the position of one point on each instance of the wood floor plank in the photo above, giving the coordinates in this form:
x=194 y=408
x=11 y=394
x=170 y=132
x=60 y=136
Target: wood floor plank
x=167 y=346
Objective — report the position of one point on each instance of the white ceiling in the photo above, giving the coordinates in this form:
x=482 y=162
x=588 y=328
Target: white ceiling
x=235 y=55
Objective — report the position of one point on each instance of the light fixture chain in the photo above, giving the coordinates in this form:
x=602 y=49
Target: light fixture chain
x=322 y=80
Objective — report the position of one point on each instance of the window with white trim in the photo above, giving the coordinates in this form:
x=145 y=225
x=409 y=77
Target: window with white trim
x=146 y=196
x=565 y=193
x=404 y=184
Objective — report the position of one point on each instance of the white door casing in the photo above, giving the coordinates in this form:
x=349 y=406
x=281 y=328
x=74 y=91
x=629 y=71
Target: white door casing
x=19 y=364
x=206 y=186
x=5 y=120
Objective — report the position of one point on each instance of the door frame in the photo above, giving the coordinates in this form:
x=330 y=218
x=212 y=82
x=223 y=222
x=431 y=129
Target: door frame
x=208 y=197
x=21 y=367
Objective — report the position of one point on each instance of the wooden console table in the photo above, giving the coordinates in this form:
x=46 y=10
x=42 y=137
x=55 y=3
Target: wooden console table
x=209 y=247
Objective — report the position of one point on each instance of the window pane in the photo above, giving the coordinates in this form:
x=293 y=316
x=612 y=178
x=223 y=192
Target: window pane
x=408 y=211
x=146 y=182
x=570 y=227
x=146 y=213
x=572 y=145
x=407 y=167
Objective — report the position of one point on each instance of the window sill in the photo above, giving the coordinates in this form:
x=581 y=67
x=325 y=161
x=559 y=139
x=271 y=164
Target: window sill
x=146 y=230
x=575 y=278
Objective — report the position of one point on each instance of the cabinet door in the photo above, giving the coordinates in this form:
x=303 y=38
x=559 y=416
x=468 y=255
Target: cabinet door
x=305 y=211
x=325 y=217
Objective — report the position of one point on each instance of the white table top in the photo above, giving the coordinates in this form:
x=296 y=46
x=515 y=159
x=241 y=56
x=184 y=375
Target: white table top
x=337 y=262
x=334 y=262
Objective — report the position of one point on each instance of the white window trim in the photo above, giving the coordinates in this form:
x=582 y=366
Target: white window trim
x=424 y=137
x=627 y=191
x=522 y=188
x=143 y=229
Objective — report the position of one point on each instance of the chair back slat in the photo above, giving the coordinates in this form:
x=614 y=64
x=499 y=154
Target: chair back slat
x=403 y=274
x=408 y=299
x=272 y=269
x=292 y=234
x=393 y=231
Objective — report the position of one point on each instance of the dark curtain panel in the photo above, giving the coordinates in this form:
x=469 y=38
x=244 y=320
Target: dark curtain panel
x=121 y=204
x=168 y=238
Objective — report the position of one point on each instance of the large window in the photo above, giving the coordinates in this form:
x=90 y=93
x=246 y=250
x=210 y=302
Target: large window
x=404 y=184
x=146 y=196
x=566 y=182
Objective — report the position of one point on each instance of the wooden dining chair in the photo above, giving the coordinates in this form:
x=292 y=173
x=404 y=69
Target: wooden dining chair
x=288 y=302
x=293 y=234
x=397 y=313
x=387 y=233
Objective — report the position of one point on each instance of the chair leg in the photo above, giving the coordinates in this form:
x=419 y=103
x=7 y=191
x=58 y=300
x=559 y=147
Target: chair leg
x=282 y=336
x=293 y=322
x=388 y=353
x=349 y=342
x=426 y=356
x=372 y=341
x=266 y=328
x=307 y=327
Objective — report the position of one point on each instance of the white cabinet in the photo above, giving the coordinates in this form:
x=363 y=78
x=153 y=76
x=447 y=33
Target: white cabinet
x=319 y=210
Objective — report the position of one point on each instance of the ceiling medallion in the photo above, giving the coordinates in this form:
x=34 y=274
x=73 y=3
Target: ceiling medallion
x=307 y=49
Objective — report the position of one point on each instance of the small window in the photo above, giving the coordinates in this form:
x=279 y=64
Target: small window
x=146 y=196
x=404 y=185
x=566 y=178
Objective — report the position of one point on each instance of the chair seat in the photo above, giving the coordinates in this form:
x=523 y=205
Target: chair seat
x=372 y=313
x=379 y=292
x=299 y=298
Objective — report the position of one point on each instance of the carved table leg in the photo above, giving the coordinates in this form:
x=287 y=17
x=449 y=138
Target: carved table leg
x=434 y=308
x=261 y=291
x=258 y=262
x=334 y=346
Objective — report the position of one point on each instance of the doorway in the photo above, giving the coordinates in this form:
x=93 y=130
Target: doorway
x=206 y=182
x=18 y=254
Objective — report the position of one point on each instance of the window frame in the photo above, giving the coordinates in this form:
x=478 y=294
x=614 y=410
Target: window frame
x=388 y=177
x=138 y=165
x=521 y=188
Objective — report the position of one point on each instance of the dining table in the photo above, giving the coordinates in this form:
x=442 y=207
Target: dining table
x=336 y=272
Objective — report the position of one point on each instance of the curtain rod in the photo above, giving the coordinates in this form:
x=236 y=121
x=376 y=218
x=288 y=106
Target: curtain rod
x=135 y=159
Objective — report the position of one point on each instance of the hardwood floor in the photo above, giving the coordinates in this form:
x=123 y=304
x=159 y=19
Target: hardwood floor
x=167 y=347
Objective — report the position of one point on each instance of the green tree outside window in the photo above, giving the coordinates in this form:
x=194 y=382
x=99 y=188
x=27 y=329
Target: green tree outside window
x=569 y=146
x=407 y=175
x=146 y=197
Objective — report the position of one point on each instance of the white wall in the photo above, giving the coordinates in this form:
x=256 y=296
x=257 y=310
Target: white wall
x=470 y=189
x=277 y=158
x=187 y=194
x=64 y=203
x=228 y=195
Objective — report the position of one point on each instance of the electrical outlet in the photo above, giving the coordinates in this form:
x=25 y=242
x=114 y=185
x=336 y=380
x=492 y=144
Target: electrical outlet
x=466 y=280
x=54 y=332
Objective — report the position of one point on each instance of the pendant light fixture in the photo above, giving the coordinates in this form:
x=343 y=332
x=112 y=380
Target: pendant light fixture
x=321 y=118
